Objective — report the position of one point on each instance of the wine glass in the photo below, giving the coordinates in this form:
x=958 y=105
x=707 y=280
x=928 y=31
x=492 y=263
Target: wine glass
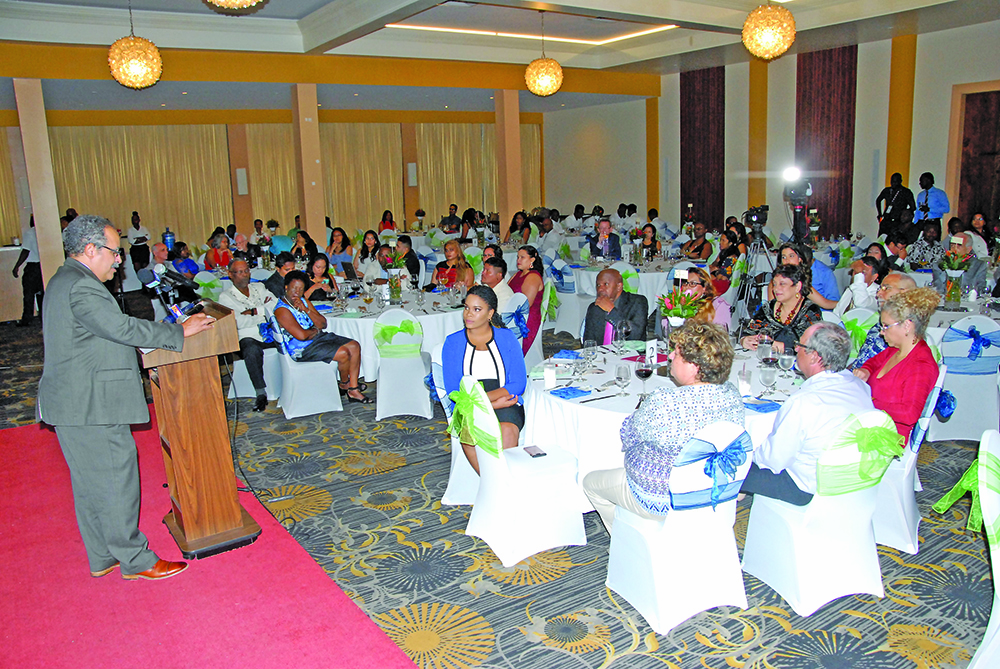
x=786 y=360
x=623 y=330
x=589 y=351
x=643 y=370
x=623 y=377
x=764 y=351
x=768 y=377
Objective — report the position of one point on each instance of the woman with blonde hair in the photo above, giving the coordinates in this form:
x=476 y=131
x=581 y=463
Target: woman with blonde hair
x=716 y=310
x=454 y=268
x=902 y=376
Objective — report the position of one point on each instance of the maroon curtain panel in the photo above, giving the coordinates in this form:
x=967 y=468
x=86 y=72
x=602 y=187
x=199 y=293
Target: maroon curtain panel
x=979 y=187
x=825 y=99
x=703 y=145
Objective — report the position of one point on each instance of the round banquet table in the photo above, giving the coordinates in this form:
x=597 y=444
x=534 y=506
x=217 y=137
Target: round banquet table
x=437 y=325
x=653 y=280
x=591 y=431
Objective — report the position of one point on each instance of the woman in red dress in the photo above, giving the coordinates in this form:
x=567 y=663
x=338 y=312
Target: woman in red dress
x=386 y=223
x=219 y=255
x=528 y=281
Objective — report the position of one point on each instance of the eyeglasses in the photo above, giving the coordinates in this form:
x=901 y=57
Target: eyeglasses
x=882 y=327
x=115 y=251
x=693 y=283
x=804 y=347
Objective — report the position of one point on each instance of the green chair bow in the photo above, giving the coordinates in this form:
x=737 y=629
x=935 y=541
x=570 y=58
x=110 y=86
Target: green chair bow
x=475 y=261
x=989 y=476
x=858 y=457
x=858 y=329
x=436 y=238
x=585 y=253
x=533 y=234
x=846 y=258
x=969 y=483
x=739 y=271
x=565 y=253
x=384 y=333
x=550 y=301
x=630 y=281
x=210 y=289
x=359 y=236
x=472 y=419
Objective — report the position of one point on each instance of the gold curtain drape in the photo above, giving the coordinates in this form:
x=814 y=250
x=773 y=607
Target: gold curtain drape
x=271 y=153
x=451 y=167
x=363 y=173
x=531 y=165
x=10 y=213
x=175 y=176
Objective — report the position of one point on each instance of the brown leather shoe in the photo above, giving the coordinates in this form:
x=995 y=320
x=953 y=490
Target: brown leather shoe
x=161 y=570
x=104 y=572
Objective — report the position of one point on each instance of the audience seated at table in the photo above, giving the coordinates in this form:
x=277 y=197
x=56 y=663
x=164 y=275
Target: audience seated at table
x=492 y=251
x=729 y=253
x=494 y=275
x=251 y=304
x=517 y=227
x=823 y=292
x=575 y=221
x=605 y=244
x=302 y=328
x=451 y=223
x=901 y=376
x=861 y=292
x=877 y=251
x=716 y=309
x=453 y=269
x=700 y=361
x=893 y=284
x=366 y=257
x=983 y=241
x=340 y=250
x=650 y=245
x=972 y=278
x=386 y=223
x=733 y=223
x=219 y=255
x=612 y=306
x=784 y=466
x=528 y=281
x=304 y=247
x=698 y=248
x=242 y=250
x=182 y=262
x=283 y=264
x=320 y=285
x=488 y=351
x=590 y=223
x=927 y=251
x=404 y=247
x=896 y=254
x=788 y=315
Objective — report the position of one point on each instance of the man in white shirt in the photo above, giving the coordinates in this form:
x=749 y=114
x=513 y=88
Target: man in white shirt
x=662 y=228
x=618 y=217
x=494 y=272
x=862 y=293
x=31 y=280
x=575 y=222
x=784 y=466
x=252 y=304
x=138 y=238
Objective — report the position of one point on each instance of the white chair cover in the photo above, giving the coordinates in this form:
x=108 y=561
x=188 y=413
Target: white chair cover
x=240 y=385
x=843 y=277
x=572 y=310
x=988 y=654
x=515 y=315
x=307 y=388
x=131 y=281
x=971 y=350
x=819 y=552
x=463 y=481
x=428 y=259
x=534 y=356
x=630 y=277
x=402 y=367
x=897 y=518
x=260 y=274
x=386 y=236
x=667 y=585
x=831 y=317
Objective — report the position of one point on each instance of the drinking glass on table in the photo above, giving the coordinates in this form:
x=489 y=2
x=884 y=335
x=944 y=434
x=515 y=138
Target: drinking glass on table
x=623 y=376
x=589 y=351
x=764 y=351
x=643 y=370
x=786 y=360
x=768 y=377
x=623 y=330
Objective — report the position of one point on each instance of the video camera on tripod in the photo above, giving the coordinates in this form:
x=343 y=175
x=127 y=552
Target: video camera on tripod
x=756 y=218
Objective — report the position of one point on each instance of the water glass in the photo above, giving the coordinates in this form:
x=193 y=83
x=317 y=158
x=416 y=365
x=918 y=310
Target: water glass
x=764 y=351
x=623 y=376
x=786 y=360
x=768 y=377
x=589 y=351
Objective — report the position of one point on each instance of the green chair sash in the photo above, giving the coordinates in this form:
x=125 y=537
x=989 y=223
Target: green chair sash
x=846 y=258
x=839 y=472
x=473 y=420
x=858 y=329
x=630 y=280
x=969 y=483
x=384 y=333
x=475 y=261
x=550 y=301
x=585 y=253
x=989 y=476
x=209 y=290
x=565 y=253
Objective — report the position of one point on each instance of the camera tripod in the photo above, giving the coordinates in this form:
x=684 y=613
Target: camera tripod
x=750 y=293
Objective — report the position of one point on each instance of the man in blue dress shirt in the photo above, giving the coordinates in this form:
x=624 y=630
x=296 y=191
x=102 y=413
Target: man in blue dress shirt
x=932 y=204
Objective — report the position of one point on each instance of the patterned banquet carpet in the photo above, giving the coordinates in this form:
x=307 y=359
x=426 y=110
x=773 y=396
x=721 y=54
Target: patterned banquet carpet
x=363 y=498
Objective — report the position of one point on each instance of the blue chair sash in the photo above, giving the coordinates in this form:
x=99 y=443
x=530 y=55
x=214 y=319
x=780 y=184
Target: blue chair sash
x=517 y=320
x=721 y=466
x=562 y=275
x=975 y=363
x=429 y=260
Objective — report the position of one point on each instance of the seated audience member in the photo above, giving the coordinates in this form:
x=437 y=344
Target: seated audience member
x=927 y=251
x=716 y=309
x=788 y=315
x=366 y=254
x=320 y=286
x=605 y=244
x=698 y=248
x=518 y=224
x=283 y=264
x=575 y=221
x=258 y=237
x=825 y=293
x=784 y=466
x=304 y=247
x=387 y=223
x=488 y=351
x=901 y=376
x=494 y=273
x=182 y=260
x=340 y=250
x=454 y=268
x=251 y=303
x=492 y=251
x=983 y=241
x=729 y=253
x=158 y=255
x=974 y=277
x=404 y=247
x=733 y=223
x=652 y=437
x=893 y=284
x=877 y=251
x=895 y=245
x=612 y=306
x=860 y=294
x=650 y=245
x=219 y=255
x=451 y=223
x=528 y=281
x=305 y=340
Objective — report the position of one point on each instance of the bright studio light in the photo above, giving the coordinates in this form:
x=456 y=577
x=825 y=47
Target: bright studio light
x=791 y=174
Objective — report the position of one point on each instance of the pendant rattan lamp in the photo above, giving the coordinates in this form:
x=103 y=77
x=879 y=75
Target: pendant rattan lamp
x=544 y=76
x=134 y=61
x=234 y=4
x=769 y=31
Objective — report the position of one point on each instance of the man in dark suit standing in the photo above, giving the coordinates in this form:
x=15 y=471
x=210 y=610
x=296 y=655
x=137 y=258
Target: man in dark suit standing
x=91 y=393
x=613 y=305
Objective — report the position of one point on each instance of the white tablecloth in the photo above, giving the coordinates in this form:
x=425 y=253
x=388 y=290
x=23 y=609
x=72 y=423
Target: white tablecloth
x=437 y=326
x=652 y=281
x=590 y=432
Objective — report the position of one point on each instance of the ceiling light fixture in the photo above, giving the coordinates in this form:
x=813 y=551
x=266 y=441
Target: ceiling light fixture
x=134 y=61
x=544 y=76
x=769 y=31
x=234 y=4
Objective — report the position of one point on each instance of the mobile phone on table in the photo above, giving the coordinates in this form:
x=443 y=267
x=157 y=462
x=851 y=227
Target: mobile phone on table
x=534 y=451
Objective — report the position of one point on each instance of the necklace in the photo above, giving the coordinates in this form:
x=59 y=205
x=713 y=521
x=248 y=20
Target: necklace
x=791 y=314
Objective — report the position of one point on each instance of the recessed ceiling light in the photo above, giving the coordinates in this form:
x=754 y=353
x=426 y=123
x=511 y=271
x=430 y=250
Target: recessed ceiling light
x=446 y=106
x=549 y=38
x=184 y=92
x=355 y=95
x=163 y=104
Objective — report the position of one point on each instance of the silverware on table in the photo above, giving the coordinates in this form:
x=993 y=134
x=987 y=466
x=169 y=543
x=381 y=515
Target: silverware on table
x=594 y=399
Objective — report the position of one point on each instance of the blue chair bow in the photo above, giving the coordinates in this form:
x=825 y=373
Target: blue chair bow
x=429 y=260
x=562 y=275
x=975 y=363
x=721 y=466
x=946 y=404
x=835 y=256
x=517 y=320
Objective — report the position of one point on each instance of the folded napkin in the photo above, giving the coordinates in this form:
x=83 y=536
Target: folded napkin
x=634 y=345
x=567 y=355
x=759 y=405
x=577 y=266
x=569 y=393
x=537 y=372
x=924 y=270
x=660 y=357
x=353 y=314
x=323 y=307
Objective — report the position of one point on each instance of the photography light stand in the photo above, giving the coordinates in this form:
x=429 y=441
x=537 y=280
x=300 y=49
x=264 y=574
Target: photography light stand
x=750 y=292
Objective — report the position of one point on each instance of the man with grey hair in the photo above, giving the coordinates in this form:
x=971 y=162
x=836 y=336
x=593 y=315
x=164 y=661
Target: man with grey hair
x=91 y=393
x=893 y=283
x=974 y=277
x=784 y=466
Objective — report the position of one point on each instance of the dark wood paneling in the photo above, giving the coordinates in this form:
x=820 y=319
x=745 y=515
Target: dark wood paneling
x=825 y=98
x=703 y=144
x=979 y=187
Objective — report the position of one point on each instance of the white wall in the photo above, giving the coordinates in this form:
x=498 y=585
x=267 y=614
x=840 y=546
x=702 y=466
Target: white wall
x=596 y=155
x=870 y=132
x=780 y=136
x=737 y=138
x=670 y=147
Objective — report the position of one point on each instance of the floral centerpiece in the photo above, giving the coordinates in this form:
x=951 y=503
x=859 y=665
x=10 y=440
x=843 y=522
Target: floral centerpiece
x=635 y=233
x=954 y=265
x=677 y=306
x=814 y=224
x=397 y=263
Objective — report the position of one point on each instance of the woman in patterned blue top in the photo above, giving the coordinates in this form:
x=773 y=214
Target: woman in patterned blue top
x=654 y=435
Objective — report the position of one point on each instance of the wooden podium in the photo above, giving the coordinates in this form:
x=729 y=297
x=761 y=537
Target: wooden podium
x=206 y=516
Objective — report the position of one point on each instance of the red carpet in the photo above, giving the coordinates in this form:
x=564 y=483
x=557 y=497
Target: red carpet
x=264 y=605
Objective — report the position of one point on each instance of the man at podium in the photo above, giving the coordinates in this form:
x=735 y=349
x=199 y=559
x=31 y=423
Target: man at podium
x=91 y=393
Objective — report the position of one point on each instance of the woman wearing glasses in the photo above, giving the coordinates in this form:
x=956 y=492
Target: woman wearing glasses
x=789 y=314
x=716 y=309
x=902 y=376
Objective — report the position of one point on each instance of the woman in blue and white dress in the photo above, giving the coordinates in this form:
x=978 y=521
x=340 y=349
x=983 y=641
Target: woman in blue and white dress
x=488 y=351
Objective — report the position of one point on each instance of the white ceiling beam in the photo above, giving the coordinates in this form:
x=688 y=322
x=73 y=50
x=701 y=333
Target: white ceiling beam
x=691 y=15
x=342 y=21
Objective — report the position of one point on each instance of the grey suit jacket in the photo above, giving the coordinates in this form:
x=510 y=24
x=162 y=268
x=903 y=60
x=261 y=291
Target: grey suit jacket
x=91 y=372
x=974 y=277
x=629 y=306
